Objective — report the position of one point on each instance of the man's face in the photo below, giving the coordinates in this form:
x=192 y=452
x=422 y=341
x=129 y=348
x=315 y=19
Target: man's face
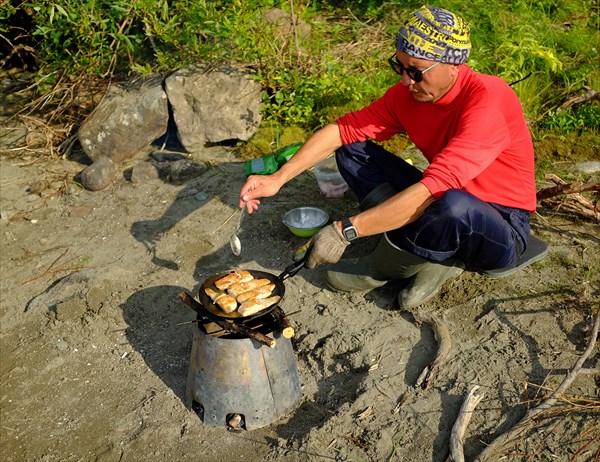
x=436 y=81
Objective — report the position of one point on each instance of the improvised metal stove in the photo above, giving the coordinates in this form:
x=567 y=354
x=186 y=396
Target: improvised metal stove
x=236 y=381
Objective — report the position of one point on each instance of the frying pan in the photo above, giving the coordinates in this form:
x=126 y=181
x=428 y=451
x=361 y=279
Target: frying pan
x=288 y=272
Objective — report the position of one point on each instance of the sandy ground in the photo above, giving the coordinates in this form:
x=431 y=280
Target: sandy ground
x=95 y=343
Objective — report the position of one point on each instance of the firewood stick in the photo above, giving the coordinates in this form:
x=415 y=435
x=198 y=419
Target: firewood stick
x=442 y=335
x=566 y=188
x=505 y=437
x=284 y=323
x=226 y=325
x=572 y=207
x=457 y=436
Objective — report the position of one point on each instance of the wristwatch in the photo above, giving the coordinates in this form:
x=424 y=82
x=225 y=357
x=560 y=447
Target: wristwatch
x=348 y=230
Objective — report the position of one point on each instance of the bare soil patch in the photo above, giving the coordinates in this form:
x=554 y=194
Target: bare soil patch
x=95 y=342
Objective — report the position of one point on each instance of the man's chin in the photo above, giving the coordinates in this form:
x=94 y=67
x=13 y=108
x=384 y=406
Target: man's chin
x=421 y=97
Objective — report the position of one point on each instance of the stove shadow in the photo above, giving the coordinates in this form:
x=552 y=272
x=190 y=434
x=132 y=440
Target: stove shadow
x=160 y=329
x=333 y=392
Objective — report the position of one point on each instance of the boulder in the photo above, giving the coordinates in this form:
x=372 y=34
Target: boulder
x=127 y=120
x=212 y=105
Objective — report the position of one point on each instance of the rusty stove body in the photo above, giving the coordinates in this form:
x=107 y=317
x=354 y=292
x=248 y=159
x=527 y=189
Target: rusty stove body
x=230 y=374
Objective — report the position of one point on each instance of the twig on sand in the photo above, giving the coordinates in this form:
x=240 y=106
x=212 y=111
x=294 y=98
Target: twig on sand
x=457 y=437
x=442 y=335
x=54 y=271
x=520 y=427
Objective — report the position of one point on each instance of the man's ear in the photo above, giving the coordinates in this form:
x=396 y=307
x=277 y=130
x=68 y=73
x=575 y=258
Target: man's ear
x=455 y=69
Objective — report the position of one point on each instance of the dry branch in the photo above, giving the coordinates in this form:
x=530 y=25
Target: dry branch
x=519 y=428
x=442 y=335
x=573 y=201
x=457 y=437
x=572 y=207
x=567 y=188
x=587 y=96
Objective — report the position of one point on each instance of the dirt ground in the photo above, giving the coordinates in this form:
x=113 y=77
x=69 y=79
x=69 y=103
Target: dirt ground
x=95 y=343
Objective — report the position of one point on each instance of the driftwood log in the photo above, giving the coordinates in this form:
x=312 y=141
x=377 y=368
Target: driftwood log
x=457 y=436
x=493 y=448
x=589 y=95
x=442 y=335
x=566 y=188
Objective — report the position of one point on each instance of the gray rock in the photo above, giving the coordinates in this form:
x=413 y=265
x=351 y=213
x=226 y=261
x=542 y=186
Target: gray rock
x=588 y=167
x=127 y=120
x=166 y=156
x=144 y=171
x=213 y=105
x=98 y=175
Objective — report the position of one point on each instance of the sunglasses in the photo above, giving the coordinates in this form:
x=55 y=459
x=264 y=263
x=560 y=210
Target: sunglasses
x=414 y=74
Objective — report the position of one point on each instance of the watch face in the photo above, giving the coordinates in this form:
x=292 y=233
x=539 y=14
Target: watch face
x=350 y=233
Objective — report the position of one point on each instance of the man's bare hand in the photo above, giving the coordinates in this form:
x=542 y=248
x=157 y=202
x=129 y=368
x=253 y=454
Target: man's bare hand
x=256 y=187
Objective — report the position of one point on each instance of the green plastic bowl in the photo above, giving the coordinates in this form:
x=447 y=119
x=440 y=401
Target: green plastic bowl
x=305 y=221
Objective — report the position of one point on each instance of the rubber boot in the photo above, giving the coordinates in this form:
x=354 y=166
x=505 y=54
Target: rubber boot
x=428 y=281
x=378 y=195
x=389 y=262
x=385 y=263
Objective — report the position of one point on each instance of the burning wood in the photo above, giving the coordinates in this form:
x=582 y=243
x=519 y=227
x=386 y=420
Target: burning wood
x=228 y=326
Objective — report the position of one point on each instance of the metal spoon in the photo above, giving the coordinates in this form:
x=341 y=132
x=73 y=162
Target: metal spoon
x=234 y=240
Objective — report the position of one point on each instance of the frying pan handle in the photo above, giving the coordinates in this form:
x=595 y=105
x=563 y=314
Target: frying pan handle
x=294 y=268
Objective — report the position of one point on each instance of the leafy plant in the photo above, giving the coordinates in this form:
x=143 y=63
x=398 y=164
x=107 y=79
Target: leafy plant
x=574 y=119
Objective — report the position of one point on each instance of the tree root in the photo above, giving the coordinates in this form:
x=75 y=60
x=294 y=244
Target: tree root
x=442 y=335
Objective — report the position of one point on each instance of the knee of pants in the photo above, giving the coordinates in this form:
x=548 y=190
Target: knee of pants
x=457 y=203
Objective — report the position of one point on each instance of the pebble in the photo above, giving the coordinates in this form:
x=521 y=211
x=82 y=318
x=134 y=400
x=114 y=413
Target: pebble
x=144 y=172
x=201 y=196
x=6 y=214
x=37 y=187
x=99 y=175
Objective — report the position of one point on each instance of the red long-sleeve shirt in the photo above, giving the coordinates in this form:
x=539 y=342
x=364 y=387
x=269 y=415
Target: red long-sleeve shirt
x=475 y=137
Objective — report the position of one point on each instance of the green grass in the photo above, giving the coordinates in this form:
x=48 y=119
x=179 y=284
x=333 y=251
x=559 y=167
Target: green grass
x=311 y=79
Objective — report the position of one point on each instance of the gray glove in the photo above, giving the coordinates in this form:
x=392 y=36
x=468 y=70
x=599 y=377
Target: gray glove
x=328 y=245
